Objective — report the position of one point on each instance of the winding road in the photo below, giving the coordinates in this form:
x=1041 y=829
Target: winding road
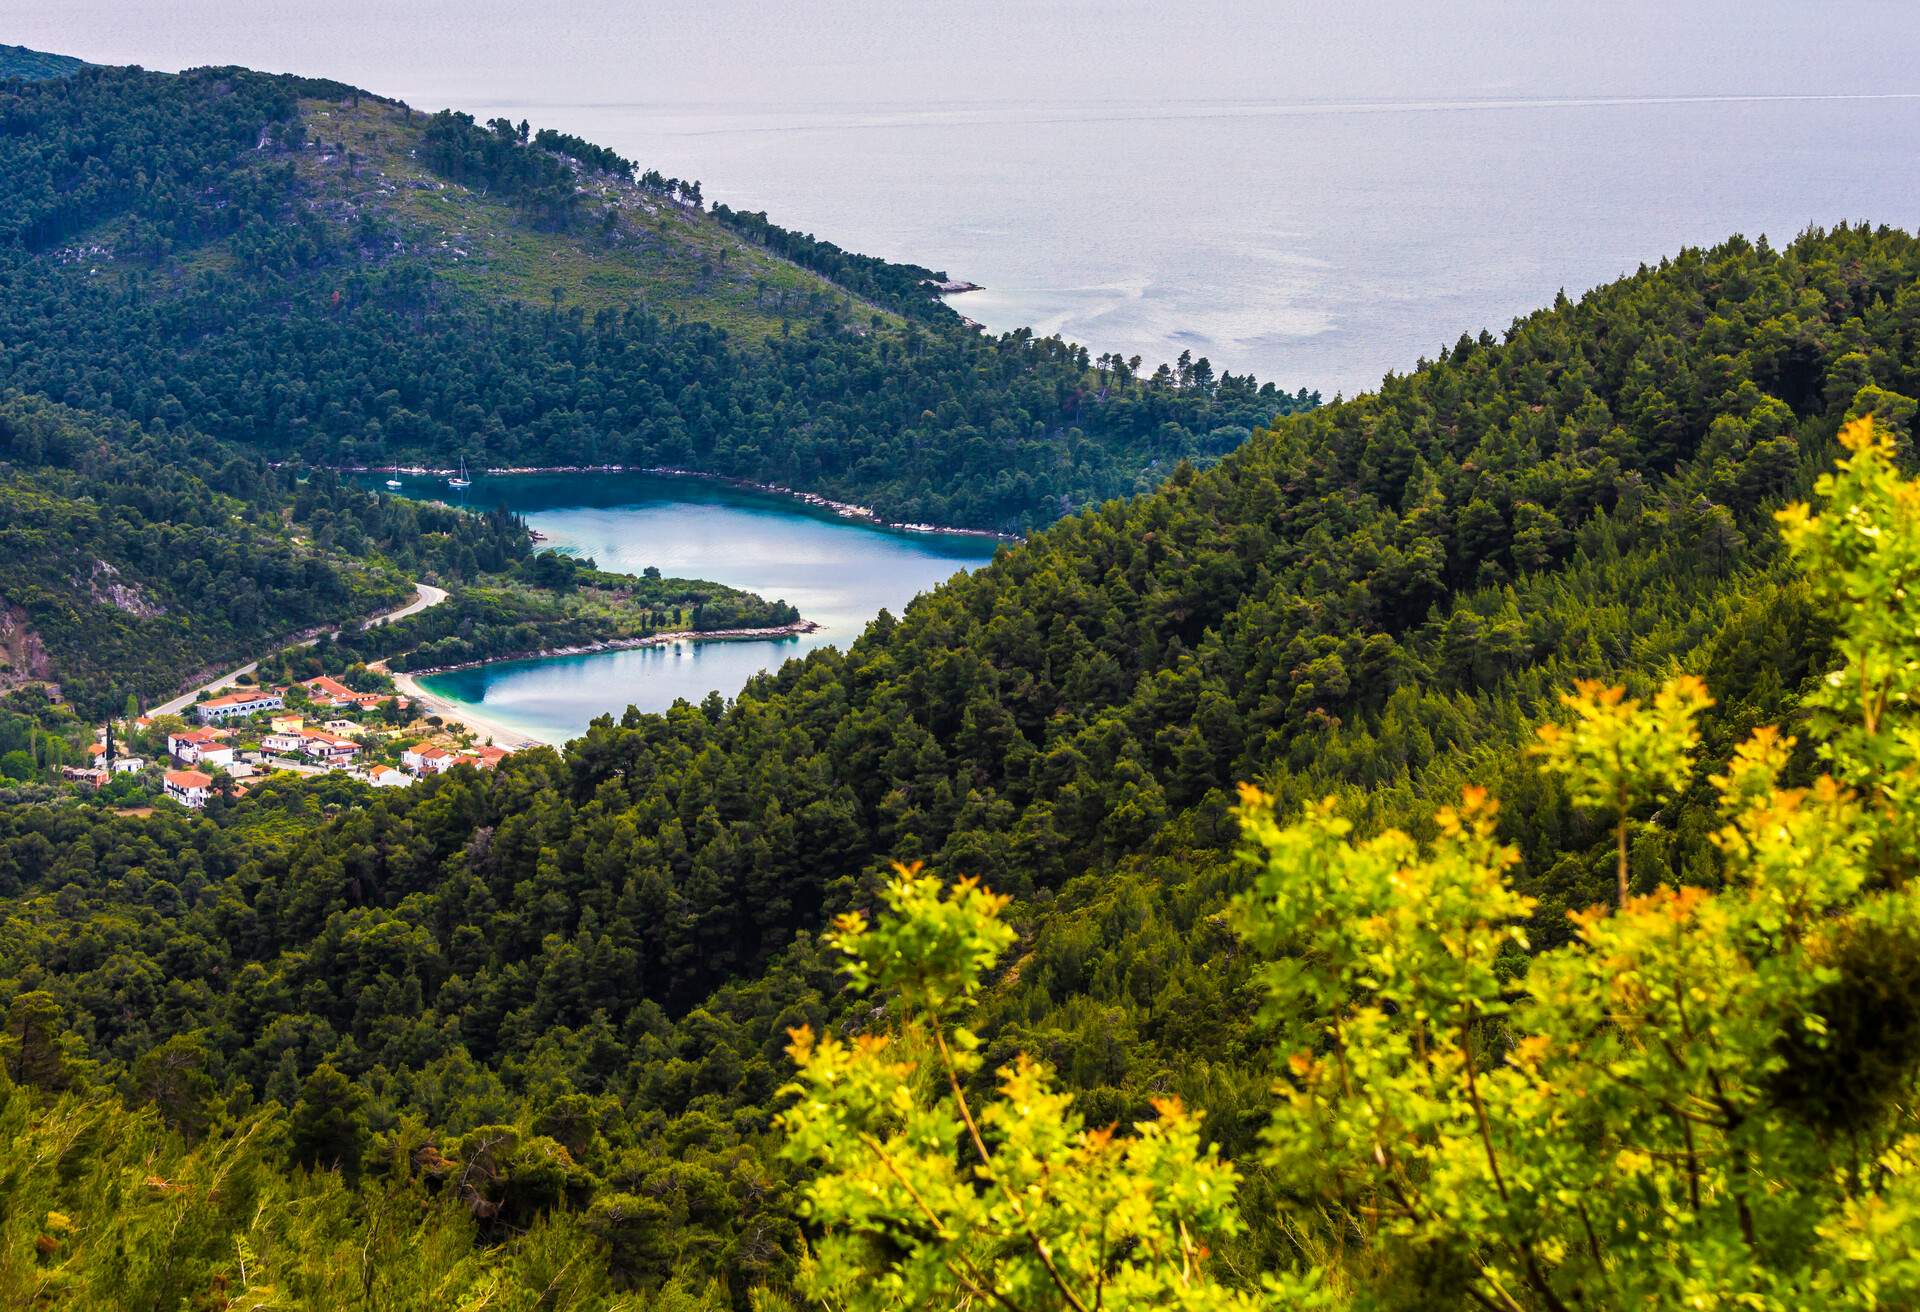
x=424 y=595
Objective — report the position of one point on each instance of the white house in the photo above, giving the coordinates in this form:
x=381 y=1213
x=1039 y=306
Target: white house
x=328 y=749
x=342 y=726
x=427 y=760
x=282 y=743
x=126 y=764
x=385 y=776
x=198 y=746
x=236 y=704
x=190 y=788
x=187 y=742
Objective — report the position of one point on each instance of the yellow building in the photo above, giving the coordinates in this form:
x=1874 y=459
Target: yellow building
x=287 y=723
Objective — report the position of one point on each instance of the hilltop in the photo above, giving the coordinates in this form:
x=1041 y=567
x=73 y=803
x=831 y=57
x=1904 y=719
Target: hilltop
x=20 y=62
x=300 y=268
x=608 y=244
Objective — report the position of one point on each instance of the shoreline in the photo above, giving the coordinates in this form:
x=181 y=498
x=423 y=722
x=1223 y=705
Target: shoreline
x=452 y=712
x=664 y=639
x=213 y=681
x=844 y=509
x=408 y=681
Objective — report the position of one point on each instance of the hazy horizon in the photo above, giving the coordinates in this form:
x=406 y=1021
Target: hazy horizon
x=731 y=52
x=1315 y=192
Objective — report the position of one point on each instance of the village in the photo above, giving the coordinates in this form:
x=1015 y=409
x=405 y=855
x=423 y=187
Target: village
x=221 y=746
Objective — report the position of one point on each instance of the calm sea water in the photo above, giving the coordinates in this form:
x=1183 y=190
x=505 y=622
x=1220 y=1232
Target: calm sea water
x=1316 y=192
x=1319 y=245
x=838 y=572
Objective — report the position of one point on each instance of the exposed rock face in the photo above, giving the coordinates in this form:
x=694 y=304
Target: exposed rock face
x=108 y=590
x=23 y=657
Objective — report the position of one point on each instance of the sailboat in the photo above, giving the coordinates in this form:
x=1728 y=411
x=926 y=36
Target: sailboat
x=393 y=482
x=461 y=480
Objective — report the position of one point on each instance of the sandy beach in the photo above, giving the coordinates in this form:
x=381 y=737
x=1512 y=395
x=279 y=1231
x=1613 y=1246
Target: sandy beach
x=487 y=731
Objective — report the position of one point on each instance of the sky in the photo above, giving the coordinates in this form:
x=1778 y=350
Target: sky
x=760 y=52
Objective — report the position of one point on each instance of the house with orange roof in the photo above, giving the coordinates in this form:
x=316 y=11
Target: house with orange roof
x=385 y=776
x=190 y=788
x=200 y=747
x=424 y=760
x=328 y=748
x=328 y=691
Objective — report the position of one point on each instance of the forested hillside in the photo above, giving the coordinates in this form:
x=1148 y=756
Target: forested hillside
x=554 y=1000
x=300 y=268
x=129 y=559
x=20 y=62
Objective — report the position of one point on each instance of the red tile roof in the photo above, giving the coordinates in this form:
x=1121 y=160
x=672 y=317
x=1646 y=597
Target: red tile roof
x=189 y=779
x=237 y=698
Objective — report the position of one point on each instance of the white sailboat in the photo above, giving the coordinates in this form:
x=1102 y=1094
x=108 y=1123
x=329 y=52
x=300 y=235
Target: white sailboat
x=461 y=480
x=393 y=482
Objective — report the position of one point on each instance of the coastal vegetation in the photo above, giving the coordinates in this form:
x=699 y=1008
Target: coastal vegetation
x=131 y=559
x=301 y=269
x=530 y=1031
x=550 y=602
x=128 y=559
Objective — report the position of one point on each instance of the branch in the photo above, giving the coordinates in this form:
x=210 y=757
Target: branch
x=986 y=1161
x=941 y=1230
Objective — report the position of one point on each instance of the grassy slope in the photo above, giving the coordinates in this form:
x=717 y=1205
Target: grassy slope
x=631 y=247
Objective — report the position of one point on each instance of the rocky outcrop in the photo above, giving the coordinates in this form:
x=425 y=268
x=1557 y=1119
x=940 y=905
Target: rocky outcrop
x=109 y=591
x=23 y=657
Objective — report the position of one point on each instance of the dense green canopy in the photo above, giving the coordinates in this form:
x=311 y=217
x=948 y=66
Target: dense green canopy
x=297 y=268
x=574 y=975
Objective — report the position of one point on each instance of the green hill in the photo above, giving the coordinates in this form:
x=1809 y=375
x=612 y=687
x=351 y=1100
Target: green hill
x=130 y=560
x=567 y=984
x=20 y=62
x=300 y=268
x=127 y=561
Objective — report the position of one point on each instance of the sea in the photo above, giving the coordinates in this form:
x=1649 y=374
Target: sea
x=1314 y=193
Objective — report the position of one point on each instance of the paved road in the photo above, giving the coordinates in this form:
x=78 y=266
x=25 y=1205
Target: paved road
x=425 y=595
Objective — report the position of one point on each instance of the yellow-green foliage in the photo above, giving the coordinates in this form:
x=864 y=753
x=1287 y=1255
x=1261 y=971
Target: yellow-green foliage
x=1609 y=1124
x=1039 y=1210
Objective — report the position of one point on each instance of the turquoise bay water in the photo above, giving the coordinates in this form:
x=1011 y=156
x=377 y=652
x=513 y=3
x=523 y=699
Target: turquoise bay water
x=838 y=572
